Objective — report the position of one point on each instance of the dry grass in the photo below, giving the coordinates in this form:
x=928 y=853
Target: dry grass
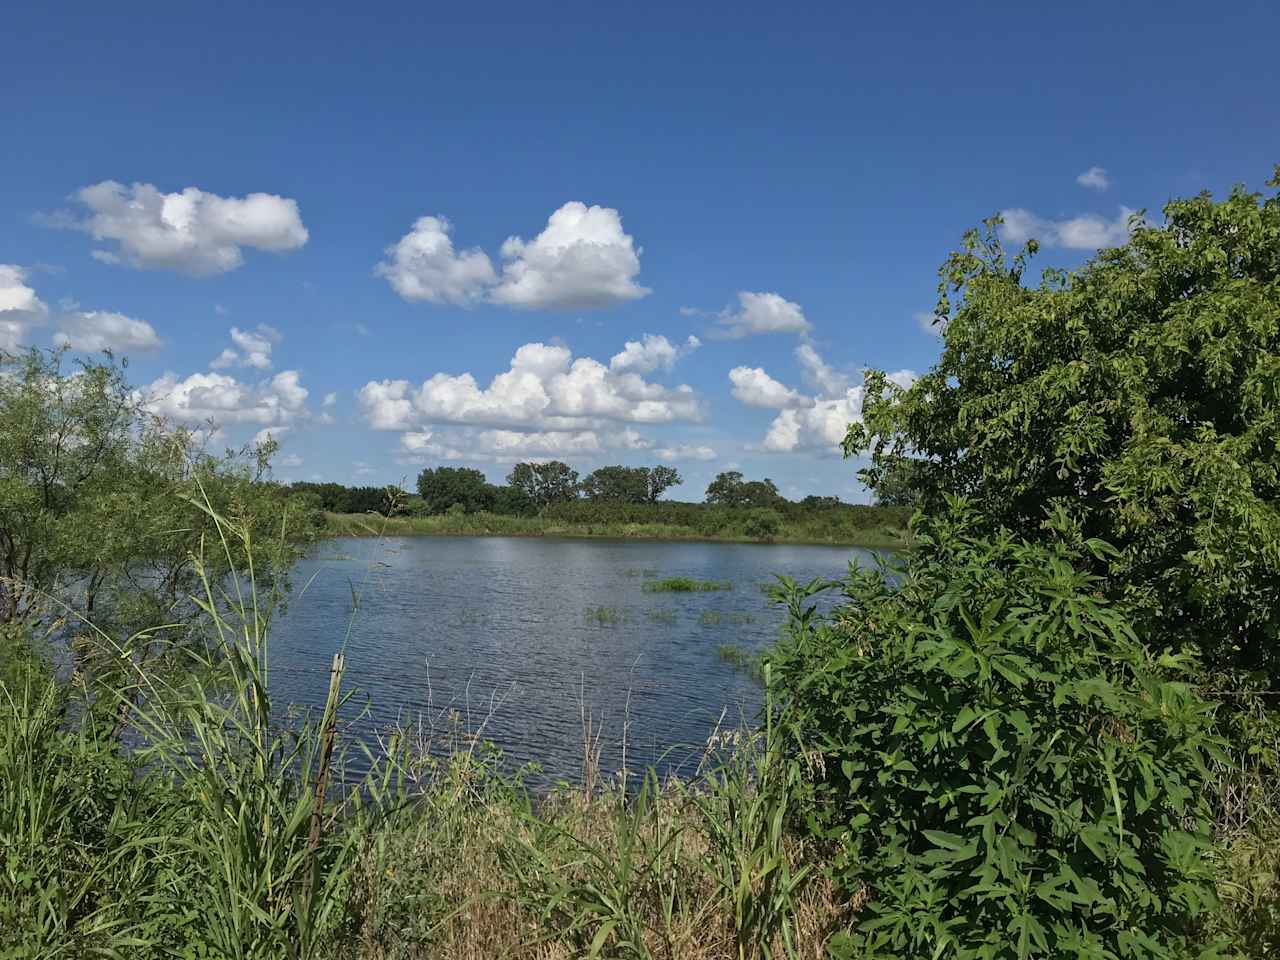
x=478 y=911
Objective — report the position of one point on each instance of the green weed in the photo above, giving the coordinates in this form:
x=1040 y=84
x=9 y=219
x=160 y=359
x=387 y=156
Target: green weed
x=686 y=585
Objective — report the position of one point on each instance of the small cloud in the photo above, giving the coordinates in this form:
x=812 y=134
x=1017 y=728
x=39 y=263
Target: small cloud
x=685 y=452
x=193 y=232
x=252 y=348
x=329 y=400
x=755 y=388
x=94 y=330
x=220 y=310
x=760 y=313
x=289 y=460
x=20 y=309
x=1095 y=178
x=1085 y=232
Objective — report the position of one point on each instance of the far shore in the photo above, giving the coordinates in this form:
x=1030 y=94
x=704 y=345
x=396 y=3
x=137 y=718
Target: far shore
x=498 y=525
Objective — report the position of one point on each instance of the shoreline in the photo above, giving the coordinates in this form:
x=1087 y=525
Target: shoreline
x=497 y=525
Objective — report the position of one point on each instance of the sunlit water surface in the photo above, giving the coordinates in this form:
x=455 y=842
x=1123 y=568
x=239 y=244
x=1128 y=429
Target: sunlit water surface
x=510 y=633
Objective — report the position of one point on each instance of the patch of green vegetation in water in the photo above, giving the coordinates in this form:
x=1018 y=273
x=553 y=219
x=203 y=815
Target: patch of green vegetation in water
x=686 y=585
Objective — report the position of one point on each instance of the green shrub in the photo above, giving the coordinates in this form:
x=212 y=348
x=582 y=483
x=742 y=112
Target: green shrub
x=763 y=524
x=1003 y=767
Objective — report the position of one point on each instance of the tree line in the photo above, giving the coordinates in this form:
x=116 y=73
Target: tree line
x=533 y=487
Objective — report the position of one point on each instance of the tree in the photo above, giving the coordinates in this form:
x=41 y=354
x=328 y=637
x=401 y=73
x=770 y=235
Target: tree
x=1139 y=395
x=815 y=502
x=660 y=479
x=902 y=483
x=725 y=489
x=544 y=483
x=619 y=484
x=112 y=520
x=730 y=490
x=442 y=487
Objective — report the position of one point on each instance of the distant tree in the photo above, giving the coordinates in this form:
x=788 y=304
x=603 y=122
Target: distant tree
x=813 y=502
x=544 y=483
x=617 y=484
x=725 y=488
x=730 y=490
x=512 y=501
x=661 y=479
x=442 y=487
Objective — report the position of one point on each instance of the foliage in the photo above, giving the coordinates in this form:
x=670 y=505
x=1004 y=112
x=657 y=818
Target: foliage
x=861 y=525
x=619 y=484
x=815 y=502
x=900 y=482
x=541 y=484
x=98 y=520
x=730 y=490
x=443 y=487
x=1139 y=395
x=336 y=498
x=763 y=524
x=1005 y=770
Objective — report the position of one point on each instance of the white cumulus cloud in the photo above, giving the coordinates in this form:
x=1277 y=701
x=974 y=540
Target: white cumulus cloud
x=1085 y=232
x=761 y=313
x=818 y=374
x=93 y=330
x=583 y=259
x=806 y=423
x=20 y=309
x=224 y=400
x=545 y=387
x=756 y=388
x=1095 y=178
x=422 y=265
x=650 y=354
x=192 y=232
x=252 y=348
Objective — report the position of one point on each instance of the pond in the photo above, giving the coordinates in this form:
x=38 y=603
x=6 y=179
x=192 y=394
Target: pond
x=540 y=644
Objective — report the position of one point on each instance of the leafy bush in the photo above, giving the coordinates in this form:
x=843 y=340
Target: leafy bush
x=763 y=524
x=1003 y=767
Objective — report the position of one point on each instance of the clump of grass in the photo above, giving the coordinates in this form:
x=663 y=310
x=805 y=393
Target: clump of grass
x=713 y=618
x=605 y=616
x=686 y=585
x=744 y=661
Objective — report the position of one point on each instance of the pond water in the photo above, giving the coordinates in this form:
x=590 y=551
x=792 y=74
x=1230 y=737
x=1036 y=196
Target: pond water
x=525 y=637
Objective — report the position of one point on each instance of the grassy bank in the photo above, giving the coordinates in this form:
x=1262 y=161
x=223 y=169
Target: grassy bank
x=889 y=533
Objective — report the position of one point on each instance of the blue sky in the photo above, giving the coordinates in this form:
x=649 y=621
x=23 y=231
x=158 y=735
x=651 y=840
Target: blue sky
x=778 y=183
